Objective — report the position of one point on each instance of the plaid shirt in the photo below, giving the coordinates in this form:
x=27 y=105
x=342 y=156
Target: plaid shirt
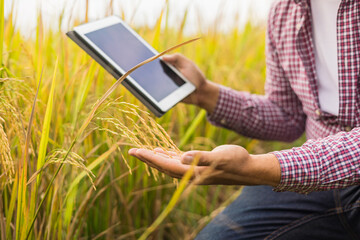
x=331 y=157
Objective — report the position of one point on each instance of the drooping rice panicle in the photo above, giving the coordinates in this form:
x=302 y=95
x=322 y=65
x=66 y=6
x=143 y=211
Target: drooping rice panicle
x=6 y=161
x=73 y=159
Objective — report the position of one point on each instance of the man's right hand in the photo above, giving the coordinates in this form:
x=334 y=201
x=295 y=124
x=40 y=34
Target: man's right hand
x=206 y=93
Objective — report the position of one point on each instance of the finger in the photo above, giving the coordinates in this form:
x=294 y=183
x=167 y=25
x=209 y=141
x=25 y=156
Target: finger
x=145 y=160
x=177 y=60
x=204 y=158
x=159 y=153
x=150 y=164
x=168 y=153
x=163 y=163
x=132 y=151
x=170 y=166
x=180 y=170
x=170 y=58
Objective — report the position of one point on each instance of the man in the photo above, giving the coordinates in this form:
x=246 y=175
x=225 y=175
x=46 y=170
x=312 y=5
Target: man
x=312 y=85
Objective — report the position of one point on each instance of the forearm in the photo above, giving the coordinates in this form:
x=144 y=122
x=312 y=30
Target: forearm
x=257 y=116
x=266 y=169
x=260 y=170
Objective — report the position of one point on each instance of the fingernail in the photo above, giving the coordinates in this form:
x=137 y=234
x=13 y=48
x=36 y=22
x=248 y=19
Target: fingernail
x=132 y=151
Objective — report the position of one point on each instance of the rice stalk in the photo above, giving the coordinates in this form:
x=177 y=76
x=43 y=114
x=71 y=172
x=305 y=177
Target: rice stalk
x=174 y=199
x=205 y=220
x=2 y=20
x=11 y=207
x=147 y=136
x=86 y=11
x=2 y=219
x=73 y=159
x=191 y=130
x=160 y=131
x=84 y=204
x=90 y=167
x=8 y=110
x=125 y=161
x=6 y=161
x=22 y=213
x=90 y=117
x=118 y=82
x=141 y=133
x=225 y=59
x=157 y=32
x=46 y=125
x=39 y=56
x=182 y=25
x=84 y=90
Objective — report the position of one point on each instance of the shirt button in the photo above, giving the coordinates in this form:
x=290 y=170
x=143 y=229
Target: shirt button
x=318 y=112
x=348 y=128
x=298 y=26
x=223 y=121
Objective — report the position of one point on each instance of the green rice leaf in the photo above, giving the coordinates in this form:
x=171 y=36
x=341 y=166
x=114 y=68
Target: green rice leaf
x=46 y=125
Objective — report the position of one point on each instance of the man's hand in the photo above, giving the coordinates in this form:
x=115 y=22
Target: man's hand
x=206 y=93
x=227 y=164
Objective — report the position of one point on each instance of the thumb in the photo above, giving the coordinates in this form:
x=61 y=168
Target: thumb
x=170 y=58
x=176 y=59
x=204 y=158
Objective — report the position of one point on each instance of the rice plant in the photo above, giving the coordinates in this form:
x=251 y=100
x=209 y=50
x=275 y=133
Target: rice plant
x=66 y=126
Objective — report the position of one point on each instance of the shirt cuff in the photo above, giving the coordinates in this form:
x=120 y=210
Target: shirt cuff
x=228 y=109
x=299 y=170
x=218 y=116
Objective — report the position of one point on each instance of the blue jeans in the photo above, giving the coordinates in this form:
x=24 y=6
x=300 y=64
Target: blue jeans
x=260 y=213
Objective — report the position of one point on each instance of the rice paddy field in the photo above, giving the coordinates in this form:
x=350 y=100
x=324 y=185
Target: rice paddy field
x=64 y=168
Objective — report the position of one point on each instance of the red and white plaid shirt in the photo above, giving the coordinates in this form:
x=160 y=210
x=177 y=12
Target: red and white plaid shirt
x=331 y=157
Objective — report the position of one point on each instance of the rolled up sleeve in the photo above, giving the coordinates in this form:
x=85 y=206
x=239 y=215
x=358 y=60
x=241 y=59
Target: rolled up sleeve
x=323 y=164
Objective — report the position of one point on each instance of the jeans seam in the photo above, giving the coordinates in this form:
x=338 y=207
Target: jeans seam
x=333 y=211
x=353 y=205
x=342 y=218
x=349 y=229
x=299 y=222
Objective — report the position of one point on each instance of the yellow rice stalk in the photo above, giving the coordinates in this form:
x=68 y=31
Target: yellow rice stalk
x=145 y=133
x=89 y=119
x=1 y=32
x=6 y=161
x=73 y=159
x=125 y=161
x=9 y=111
x=174 y=199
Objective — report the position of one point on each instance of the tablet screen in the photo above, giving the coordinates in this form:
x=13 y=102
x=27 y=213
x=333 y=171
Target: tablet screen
x=127 y=51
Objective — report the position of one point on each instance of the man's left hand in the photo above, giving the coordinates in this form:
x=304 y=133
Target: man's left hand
x=226 y=164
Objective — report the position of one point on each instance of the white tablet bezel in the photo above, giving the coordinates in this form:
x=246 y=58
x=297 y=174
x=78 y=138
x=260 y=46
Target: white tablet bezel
x=166 y=103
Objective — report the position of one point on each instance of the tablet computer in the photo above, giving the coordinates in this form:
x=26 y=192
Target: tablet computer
x=118 y=48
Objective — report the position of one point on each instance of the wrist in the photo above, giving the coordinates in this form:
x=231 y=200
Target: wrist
x=266 y=168
x=207 y=96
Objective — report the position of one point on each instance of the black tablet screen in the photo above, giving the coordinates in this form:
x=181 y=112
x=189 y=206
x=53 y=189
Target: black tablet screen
x=127 y=51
